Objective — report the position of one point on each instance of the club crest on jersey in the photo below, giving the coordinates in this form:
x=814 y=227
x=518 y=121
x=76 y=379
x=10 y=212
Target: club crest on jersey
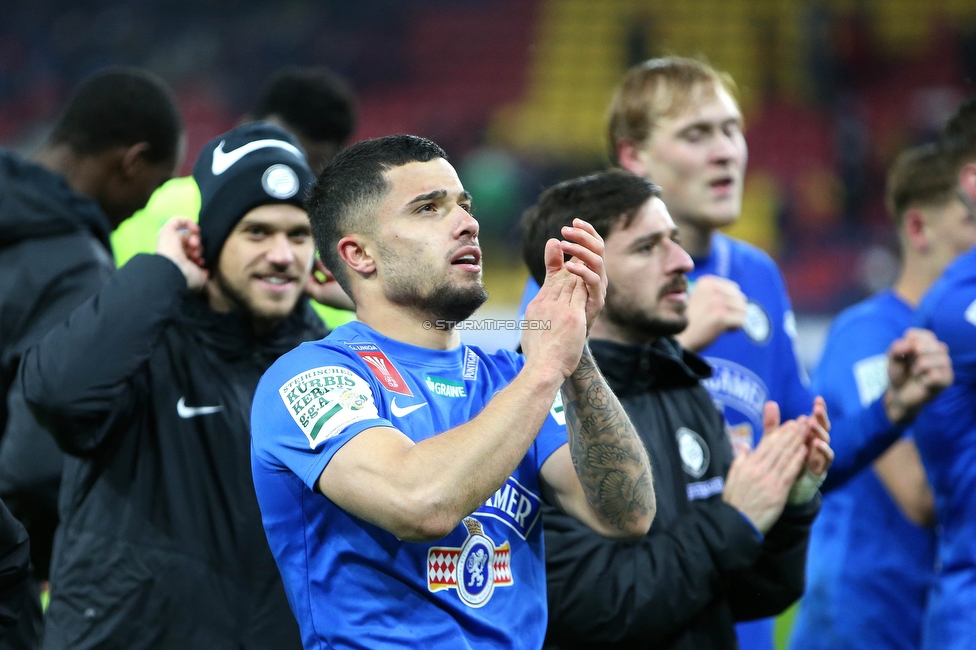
x=381 y=366
x=756 y=324
x=739 y=435
x=693 y=451
x=474 y=569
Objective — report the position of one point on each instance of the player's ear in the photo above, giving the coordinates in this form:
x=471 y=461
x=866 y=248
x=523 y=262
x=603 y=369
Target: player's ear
x=355 y=252
x=133 y=159
x=628 y=153
x=915 y=225
x=967 y=182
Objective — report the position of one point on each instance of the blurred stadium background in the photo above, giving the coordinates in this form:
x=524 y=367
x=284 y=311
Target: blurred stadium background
x=515 y=91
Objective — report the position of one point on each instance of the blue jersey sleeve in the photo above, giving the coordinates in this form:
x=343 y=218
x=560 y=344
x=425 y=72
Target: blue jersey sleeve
x=303 y=413
x=552 y=435
x=852 y=377
x=951 y=315
x=794 y=390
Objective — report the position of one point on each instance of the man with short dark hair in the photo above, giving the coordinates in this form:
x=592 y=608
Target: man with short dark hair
x=881 y=522
x=400 y=473
x=729 y=538
x=118 y=139
x=147 y=389
x=945 y=431
x=313 y=104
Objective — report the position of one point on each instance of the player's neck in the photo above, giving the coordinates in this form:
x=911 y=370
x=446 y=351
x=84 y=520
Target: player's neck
x=696 y=236
x=82 y=174
x=407 y=326
x=914 y=280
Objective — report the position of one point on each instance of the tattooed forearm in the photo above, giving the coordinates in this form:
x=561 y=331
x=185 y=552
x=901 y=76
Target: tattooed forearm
x=609 y=456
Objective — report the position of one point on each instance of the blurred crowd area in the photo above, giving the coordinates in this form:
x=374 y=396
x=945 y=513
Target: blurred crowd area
x=516 y=92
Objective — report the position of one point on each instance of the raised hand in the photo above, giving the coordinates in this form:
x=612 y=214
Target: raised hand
x=562 y=303
x=715 y=306
x=918 y=369
x=586 y=248
x=323 y=288
x=179 y=241
x=819 y=454
x=759 y=482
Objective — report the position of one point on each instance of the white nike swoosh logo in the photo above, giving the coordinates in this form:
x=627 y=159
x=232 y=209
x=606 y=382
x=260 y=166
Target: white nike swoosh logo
x=187 y=412
x=406 y=410
x=222 y=160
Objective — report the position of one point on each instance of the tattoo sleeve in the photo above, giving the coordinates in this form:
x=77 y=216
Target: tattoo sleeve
x=609 y=456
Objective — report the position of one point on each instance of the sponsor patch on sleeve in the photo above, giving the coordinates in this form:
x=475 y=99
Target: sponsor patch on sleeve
x=871 y=376
x=323 y=401
x=970 y=313
x=557 y=411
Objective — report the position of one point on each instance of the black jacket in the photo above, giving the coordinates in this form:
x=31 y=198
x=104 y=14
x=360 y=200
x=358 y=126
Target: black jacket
x=161 y=544
x=54 y=254
x=702 y=566
x=14 y=561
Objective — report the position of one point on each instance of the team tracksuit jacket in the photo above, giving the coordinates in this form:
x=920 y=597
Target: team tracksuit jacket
x=54 y=254
x=702 y=566
x=160 y=546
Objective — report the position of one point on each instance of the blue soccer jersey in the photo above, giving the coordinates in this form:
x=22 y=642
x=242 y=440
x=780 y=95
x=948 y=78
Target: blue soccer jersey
x=757 y=362
x=354 y=585
x=868 y=567
x=945 y=432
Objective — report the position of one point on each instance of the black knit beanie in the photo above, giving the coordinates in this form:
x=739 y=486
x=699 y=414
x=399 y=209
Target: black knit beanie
x=253 y=165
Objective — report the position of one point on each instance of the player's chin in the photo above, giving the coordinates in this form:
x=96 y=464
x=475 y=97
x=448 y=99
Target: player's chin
x=275 y=306
x=723 y=212
x=670 y=322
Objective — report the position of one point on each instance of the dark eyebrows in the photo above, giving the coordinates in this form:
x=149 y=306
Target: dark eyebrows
x=437 y=195
x=270 y=225
x=429 y=196
x=653 y=238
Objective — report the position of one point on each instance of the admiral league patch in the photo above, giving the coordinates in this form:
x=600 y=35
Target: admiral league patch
x=324 y=401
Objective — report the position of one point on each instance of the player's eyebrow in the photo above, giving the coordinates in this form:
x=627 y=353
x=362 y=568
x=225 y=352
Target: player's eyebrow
x=653 y=238
x=429 y=196
x=436 y=195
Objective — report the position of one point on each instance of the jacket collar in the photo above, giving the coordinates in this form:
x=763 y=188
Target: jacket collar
x=36 y=202
x=234 y=338
x=663 y=364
